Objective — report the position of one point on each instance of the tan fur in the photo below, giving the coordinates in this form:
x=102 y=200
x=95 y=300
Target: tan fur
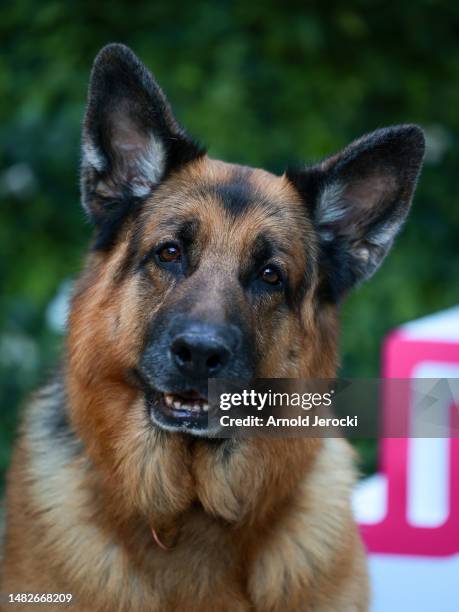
x=266 y=527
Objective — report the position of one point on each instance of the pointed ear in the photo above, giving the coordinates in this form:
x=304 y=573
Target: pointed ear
x=131 y=140
x=358 y=201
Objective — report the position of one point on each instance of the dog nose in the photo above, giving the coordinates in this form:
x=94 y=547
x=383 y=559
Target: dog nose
x=201 y=351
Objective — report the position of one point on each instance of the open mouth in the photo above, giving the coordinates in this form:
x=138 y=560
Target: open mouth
x=186 y=411
x=185 y=405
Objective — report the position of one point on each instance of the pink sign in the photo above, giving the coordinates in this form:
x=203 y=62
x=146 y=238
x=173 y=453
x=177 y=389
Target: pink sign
x=420 y=516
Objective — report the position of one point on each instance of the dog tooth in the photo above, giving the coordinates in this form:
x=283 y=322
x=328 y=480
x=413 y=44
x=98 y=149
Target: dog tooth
x=196 y=408
x=177 y=405
x=205 y=407
x=169 y=399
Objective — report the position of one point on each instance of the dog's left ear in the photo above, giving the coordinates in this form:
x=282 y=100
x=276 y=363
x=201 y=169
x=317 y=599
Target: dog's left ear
x=131 y=139
x=358 y=200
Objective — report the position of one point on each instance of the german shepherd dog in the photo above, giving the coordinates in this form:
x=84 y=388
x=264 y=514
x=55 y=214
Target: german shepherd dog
x=199 y=269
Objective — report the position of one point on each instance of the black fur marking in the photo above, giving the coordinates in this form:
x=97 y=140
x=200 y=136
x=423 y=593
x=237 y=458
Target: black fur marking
x=59 y=426
x=294 y=297
x=110 y=216
x=187 y=232
x=236 y=195
x=336 y=271
x=180 y=153
x=59 y=429
x=309 y=182
x=263 y=249
x=130 y=262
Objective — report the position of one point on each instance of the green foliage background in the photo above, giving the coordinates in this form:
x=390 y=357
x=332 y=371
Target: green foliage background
x=262 y=83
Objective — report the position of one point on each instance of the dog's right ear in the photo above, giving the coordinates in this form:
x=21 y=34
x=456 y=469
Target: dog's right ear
x=131 y=139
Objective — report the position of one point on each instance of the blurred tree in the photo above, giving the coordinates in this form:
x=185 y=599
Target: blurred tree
x=263 y=85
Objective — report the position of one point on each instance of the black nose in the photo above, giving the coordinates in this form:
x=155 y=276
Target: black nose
x=202 y=350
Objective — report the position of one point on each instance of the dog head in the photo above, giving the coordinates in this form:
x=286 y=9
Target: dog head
x=204 y=269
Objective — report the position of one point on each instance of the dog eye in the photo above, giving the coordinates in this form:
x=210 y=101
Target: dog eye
x=270 y=275
x=169 y=253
